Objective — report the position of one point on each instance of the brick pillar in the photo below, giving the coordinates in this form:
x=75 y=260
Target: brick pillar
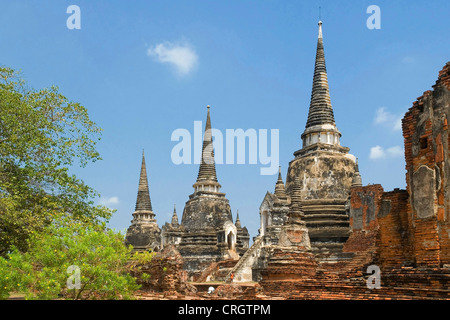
x=426 y=138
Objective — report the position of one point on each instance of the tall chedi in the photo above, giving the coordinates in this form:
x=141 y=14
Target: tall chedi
x=144 y=232
x=324 y=168
x=209 y=234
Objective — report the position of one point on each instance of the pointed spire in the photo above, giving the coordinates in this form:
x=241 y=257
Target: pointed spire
x=296 y=192
x=357 y=180
x=280 y=190
x=320 y=110
x=296 y=213
x=207 y=170
x=280 y=179
x=238 y=222
x=207 y=178
x=143 y=202
x=174 y=216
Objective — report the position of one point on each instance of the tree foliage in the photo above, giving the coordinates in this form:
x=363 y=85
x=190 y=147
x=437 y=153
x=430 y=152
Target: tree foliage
x=42 y=134
x=43 y=271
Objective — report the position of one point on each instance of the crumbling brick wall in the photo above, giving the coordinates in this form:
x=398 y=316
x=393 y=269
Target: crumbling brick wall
x=425 y=132
x=379 y=222
x=164 y=273
x=364 y=208
x=412 y=226
x=394 y=242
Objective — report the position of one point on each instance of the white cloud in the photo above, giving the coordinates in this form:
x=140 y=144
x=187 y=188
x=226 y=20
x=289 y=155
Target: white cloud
x=181 y=56
x=379 y=152
x=386 y=118
x=381 y=115
x=396 y=151
x=108 y=201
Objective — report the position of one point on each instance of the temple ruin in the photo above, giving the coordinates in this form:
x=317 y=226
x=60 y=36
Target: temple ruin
x=323 y=232
x=207 y=233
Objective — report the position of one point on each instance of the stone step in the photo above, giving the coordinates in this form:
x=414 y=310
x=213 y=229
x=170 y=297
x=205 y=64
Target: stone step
x=198 y=243
x=320 y=209
x=327 y=216
x=334 y=234
x=327 y=223
x=338 y=256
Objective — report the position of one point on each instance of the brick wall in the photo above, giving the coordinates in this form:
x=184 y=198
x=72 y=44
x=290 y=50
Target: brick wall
x=381 y=220
x=412 y=226
x=426 y=139
x=364 y=208
x=394 y=242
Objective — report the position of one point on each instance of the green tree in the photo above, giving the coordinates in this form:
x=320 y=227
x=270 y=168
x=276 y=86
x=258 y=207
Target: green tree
x=42 y=134
x=43 y=271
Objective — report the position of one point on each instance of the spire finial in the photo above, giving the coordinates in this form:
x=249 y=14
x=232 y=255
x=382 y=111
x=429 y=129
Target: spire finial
x=143 y=202
x=174 y=221
x=207 y=170
x=280 y=191
x=320 y=29
x=320 y=18
x=320 y=109
x=238 y=222
x=296 y=213
x=356 y=180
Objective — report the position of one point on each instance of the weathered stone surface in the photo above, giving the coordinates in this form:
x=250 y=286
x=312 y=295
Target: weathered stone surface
x=424 y=191
x=357 y=218
x=365 y=203
x=385 y=208
x=322 y=176
x=206 y=211
x=144 y=232
x=143 y=236
x=172 y=232
x=295 y=236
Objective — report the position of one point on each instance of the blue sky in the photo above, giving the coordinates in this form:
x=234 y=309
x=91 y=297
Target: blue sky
x=146 y=68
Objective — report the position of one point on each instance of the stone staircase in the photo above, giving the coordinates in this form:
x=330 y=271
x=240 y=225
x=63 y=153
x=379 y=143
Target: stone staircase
x=243 y=269
x=217 y=271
